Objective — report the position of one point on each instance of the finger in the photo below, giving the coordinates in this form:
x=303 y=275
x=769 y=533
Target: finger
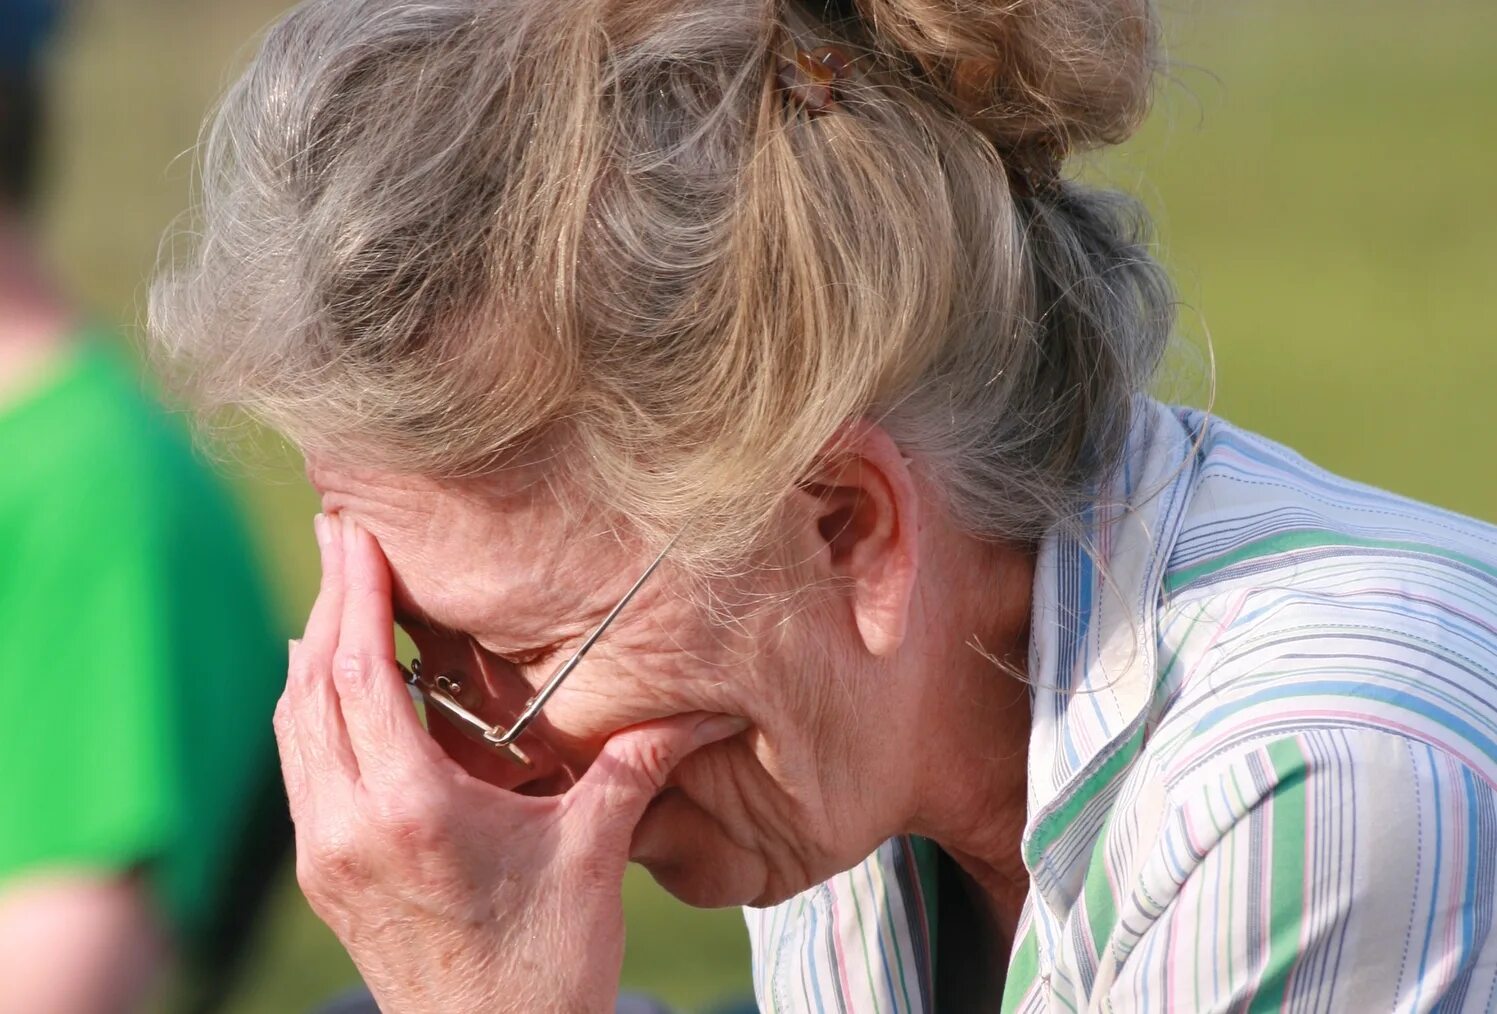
x=634 y=765
x=386 y=736
x=321 y=635
x=315 y=797
x=314 y=723
x=315 y=730
x=315 y=650
x=293 y=772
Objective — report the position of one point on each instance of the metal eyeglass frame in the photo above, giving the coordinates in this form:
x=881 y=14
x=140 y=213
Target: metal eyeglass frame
x=440 y=692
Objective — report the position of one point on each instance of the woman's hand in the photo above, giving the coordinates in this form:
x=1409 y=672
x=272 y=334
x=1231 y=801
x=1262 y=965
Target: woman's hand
x=450 y=894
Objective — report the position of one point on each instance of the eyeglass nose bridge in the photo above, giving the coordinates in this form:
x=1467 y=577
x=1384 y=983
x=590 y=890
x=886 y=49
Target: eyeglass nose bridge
x=441 y=694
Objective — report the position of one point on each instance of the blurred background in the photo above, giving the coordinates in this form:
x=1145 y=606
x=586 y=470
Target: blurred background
x=1322 y=176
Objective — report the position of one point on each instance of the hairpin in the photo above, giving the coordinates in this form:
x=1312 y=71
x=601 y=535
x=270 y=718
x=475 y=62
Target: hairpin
x=1034 y=168
x=810 y=78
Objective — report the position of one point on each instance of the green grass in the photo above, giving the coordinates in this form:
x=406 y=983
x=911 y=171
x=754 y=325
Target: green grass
x=1322 y=175
x=1326 y=202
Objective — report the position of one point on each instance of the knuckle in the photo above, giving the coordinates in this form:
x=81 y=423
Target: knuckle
x=281 y=720
x=307 y=877
x=329 y=864
x=323 y=899
x=351 y=669
x=356 y=671
x=409 y=821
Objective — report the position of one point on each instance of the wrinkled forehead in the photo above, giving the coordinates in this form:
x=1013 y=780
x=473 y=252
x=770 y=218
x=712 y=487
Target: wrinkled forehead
x=479 y=556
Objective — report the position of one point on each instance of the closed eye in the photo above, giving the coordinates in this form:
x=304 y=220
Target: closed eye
x=522 y=658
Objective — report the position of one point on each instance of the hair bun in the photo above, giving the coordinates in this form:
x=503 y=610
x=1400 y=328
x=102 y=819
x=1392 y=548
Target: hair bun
x=1040 y=76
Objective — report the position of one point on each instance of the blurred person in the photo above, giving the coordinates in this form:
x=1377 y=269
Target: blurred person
x=747 y=417
x=140 y=814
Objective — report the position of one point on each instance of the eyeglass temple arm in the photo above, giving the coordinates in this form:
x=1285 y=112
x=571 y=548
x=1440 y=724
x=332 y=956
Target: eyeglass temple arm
x=535 y=704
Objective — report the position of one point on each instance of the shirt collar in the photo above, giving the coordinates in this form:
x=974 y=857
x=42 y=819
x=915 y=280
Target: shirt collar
x=1093 y=636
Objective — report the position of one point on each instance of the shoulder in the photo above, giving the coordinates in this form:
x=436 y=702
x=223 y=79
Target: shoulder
x=1295 y=600
x=106 y=501
x=98 y=448
x=1261 y=512
x=1409 y=659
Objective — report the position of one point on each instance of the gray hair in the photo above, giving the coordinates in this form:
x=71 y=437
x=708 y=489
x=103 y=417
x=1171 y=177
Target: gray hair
x=434 y=237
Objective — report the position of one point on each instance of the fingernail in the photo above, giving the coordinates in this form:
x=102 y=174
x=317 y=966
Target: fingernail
x=291 y=647
x=718 y=727
x=319 y=525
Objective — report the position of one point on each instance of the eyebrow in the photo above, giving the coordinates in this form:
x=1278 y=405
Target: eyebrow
x=408 y=614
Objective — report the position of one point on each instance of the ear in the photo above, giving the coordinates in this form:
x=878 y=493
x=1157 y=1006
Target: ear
x=863 y=524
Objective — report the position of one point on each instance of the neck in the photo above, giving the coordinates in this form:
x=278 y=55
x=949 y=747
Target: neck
x=974 y=790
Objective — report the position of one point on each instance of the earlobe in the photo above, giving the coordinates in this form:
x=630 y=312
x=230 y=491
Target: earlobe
x=882 y=624
x=866 y=510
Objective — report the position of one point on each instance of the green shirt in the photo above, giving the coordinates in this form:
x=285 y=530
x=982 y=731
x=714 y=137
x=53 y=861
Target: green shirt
x=140 y=665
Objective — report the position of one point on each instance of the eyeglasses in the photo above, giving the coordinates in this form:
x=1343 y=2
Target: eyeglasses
x=446 y=691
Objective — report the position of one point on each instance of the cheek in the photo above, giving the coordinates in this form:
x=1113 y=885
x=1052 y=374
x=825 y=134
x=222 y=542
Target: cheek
x=610 y=694
x=643 y=675
x=688 y=852
x=728 y=832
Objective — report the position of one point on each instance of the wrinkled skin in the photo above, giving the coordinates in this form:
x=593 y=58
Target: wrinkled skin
x=740 y=762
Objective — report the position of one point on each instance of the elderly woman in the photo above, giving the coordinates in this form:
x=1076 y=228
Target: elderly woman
x=745 y=416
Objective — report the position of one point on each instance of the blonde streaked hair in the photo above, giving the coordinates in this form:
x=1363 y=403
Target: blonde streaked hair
x=439 y=237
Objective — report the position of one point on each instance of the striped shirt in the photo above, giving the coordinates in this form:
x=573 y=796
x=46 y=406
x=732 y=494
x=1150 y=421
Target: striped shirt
x=1261 y=768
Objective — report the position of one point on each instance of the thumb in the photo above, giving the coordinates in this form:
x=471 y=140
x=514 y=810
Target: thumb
x=635 y=763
